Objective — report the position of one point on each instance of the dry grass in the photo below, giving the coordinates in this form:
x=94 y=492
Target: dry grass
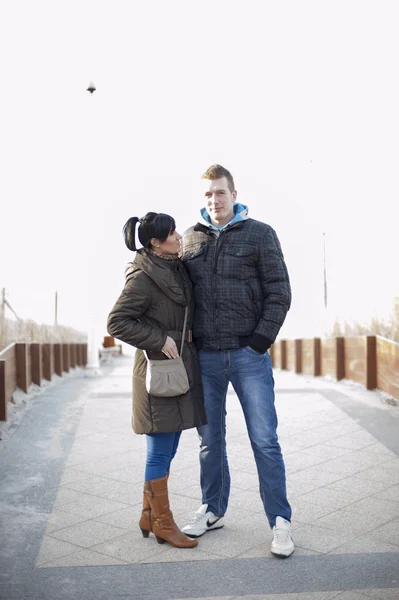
x=388 y=327
x=29 y=331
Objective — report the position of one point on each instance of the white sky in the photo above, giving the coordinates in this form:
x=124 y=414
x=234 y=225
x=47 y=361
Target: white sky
x=298 y=99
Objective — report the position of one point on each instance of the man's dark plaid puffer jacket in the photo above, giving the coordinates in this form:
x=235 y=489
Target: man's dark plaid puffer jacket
x=241 y=285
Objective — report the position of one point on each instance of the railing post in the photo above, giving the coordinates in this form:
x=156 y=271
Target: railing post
x=340 y=357
x=21 y=353
x=371 y=362
x=72 y=355
x=36 y=363
x=58 y=359
x=84 y=346
x=298 y=356
x=3 y=397
x=316 y=357
x=48 y=361
x=77 y=355
x=283 y=354
x=66 y=357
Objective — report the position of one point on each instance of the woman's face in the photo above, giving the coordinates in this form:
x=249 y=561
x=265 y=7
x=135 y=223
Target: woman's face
x=170 y=246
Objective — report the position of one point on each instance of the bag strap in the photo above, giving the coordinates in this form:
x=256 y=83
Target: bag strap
x=184 y=331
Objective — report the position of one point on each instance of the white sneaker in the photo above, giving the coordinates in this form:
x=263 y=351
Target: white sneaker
x=282 y=544
x=202 y=521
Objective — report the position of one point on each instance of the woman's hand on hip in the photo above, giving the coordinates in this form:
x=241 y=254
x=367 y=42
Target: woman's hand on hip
x=170 y=348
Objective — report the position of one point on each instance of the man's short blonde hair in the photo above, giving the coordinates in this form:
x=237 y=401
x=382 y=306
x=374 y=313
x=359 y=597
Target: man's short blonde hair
x=217 y=172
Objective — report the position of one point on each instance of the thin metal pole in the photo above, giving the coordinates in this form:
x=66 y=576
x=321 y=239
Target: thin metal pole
x=325 y=271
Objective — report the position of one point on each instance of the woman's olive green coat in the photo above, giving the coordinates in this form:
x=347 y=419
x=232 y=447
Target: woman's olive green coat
x=150 y=307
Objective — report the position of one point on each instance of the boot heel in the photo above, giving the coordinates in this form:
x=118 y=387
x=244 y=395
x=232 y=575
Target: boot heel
x=160 y=540
x=145 y=532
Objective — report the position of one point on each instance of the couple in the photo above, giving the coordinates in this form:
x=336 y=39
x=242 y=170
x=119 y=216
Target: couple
x=232 y=270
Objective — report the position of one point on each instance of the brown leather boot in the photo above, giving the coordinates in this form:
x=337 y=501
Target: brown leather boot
x=145 y=522
x=163 y=524
x=145 y=519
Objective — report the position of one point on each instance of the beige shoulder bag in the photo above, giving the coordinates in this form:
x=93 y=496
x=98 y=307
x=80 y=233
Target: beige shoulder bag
x=167 y=378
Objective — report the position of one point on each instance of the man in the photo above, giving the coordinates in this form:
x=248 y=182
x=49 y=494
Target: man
x=242 y=294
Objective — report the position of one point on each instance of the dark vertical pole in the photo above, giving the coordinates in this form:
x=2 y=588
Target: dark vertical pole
x=325 y=271
x=340 y=357
x=283 y=354
x=3 y=396
x=36 y=363
x=58 y=359
x=316 y=357
x=371 y=362
x=298 y=356
x=21 y=352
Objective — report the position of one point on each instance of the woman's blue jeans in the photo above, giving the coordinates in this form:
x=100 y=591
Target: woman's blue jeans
x=161 y=448
x=251 y=375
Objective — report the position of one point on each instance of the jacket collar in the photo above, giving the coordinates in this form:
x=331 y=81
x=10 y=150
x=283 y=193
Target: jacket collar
x=163 y=274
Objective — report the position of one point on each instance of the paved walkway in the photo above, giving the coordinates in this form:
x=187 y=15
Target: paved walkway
x=71 y=491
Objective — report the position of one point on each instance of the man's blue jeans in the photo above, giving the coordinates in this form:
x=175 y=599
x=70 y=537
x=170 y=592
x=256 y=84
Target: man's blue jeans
x=251 y=375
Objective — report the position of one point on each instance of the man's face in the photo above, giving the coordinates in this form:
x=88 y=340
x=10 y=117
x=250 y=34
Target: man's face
x=219 y=200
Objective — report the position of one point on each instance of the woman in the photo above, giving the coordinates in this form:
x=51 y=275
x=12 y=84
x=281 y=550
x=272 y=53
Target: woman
x=149 y=314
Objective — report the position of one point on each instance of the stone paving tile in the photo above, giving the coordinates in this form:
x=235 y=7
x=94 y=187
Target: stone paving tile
x=126 y=518
x=84 y=558
x=91 y=507
x=316 y=476
x=124 y=492
x=357 y=486
x=71 y=475
x=51 y=549
x=354 y=441
x=181 y=555
x=300 y=460
x=373 y=505
x=93 y=485
x=329 y=498
x=342 y=466
x=88 y=533
x=387 y=473
x=296 y=488
x=350 y=521
x=320 y=539
x=247 y=500
x=370 y=456
x=133 y=474
x=326 y=451
x=263 y=550
x=66 y=496
x=389 y=532
x=364 y=545
x=231 y=541
x=132 y=547
x=306 y=512
x=59 y=519
x=391 y=493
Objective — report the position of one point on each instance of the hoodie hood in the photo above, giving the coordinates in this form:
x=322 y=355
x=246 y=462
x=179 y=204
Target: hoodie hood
x=162 y=272
x=240 y=214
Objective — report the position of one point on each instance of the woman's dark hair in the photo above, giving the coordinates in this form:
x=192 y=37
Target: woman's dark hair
x=152 y=225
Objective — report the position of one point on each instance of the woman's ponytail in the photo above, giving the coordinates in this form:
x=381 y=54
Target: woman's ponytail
x=129 y=232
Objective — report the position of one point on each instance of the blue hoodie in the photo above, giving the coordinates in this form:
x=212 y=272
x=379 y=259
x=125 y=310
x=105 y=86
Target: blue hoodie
x=240 y=214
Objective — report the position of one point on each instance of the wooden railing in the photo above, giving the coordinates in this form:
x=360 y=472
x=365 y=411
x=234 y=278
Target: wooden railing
x=22 y=364
x=372 y=361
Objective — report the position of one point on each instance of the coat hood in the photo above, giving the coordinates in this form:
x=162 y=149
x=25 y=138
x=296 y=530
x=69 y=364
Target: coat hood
x=164 y=273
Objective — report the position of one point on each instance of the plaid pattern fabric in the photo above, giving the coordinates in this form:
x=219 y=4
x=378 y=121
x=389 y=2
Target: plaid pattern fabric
x=241 y=285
